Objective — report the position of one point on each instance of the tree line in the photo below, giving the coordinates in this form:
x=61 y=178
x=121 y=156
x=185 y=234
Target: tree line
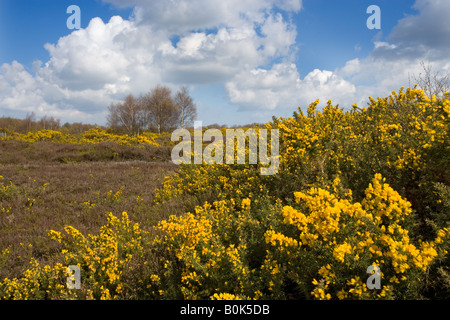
x=162 y=111
x=159 y=111
x=31 y=124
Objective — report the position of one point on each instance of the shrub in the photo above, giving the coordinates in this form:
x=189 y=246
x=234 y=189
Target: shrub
x=357 y=188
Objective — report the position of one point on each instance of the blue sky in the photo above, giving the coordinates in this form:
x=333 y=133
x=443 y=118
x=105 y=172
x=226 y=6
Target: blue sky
x=333 y=32
x=26 y=25
x=243 y=61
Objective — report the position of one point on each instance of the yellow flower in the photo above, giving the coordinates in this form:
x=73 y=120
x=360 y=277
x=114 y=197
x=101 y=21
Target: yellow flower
x=340 y=251
x=224 y=296
x=246 y=204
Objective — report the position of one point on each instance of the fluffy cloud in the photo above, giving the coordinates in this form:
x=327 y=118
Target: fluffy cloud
x=391 y=64
x=87 y=70
x=394 y=63
x=428 y=30
x=217 y=57
x=19 y=90
x=246 y=46
x=281 y=88
x=182 y=16
x=263 y=89
x=92 y=67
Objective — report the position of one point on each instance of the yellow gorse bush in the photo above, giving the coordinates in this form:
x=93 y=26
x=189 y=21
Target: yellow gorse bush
x=326 y=254
x=91 y=136
x=344 y=233
x=347 y=215
x=97 y=135
x=204 y=243
x=355 y=188
x=38 y=282
x=224 y=296
x=102 y=258
x=403 y=127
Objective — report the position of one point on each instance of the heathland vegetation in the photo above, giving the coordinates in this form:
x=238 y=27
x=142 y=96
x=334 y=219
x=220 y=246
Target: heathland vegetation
x=368 y=185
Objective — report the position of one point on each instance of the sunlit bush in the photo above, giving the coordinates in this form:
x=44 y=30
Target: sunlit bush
x=356 y=188
x=104 y=260
x=92 y=136
x=402 y=138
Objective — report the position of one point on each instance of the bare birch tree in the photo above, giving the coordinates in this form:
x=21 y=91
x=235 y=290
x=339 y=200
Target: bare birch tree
x=125 y=114
x=187 y=110
x=432 y=82
x=160 y=109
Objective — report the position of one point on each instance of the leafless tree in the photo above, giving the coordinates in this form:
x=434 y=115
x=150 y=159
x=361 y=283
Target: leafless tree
x=28 y=121
x=49 y=123
x=77 y=127
x=431 y=81
x=125 y=114
x=187 y=110
x=160 y=109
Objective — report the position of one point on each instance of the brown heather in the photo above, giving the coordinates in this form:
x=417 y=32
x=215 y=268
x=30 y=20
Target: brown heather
x=54 y=185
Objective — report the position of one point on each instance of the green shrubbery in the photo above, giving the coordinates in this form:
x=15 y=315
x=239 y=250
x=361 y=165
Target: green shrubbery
x=368 y=186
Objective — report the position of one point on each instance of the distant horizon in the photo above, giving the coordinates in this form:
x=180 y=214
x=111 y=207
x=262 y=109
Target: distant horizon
x=242 y=61
x=62 y=124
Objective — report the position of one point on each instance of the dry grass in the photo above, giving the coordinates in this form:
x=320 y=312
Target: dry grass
x=47 y=193
x=19 y=152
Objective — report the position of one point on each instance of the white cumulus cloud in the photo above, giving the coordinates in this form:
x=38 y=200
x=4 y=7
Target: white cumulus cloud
x=92 y=67
x=249 y=47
